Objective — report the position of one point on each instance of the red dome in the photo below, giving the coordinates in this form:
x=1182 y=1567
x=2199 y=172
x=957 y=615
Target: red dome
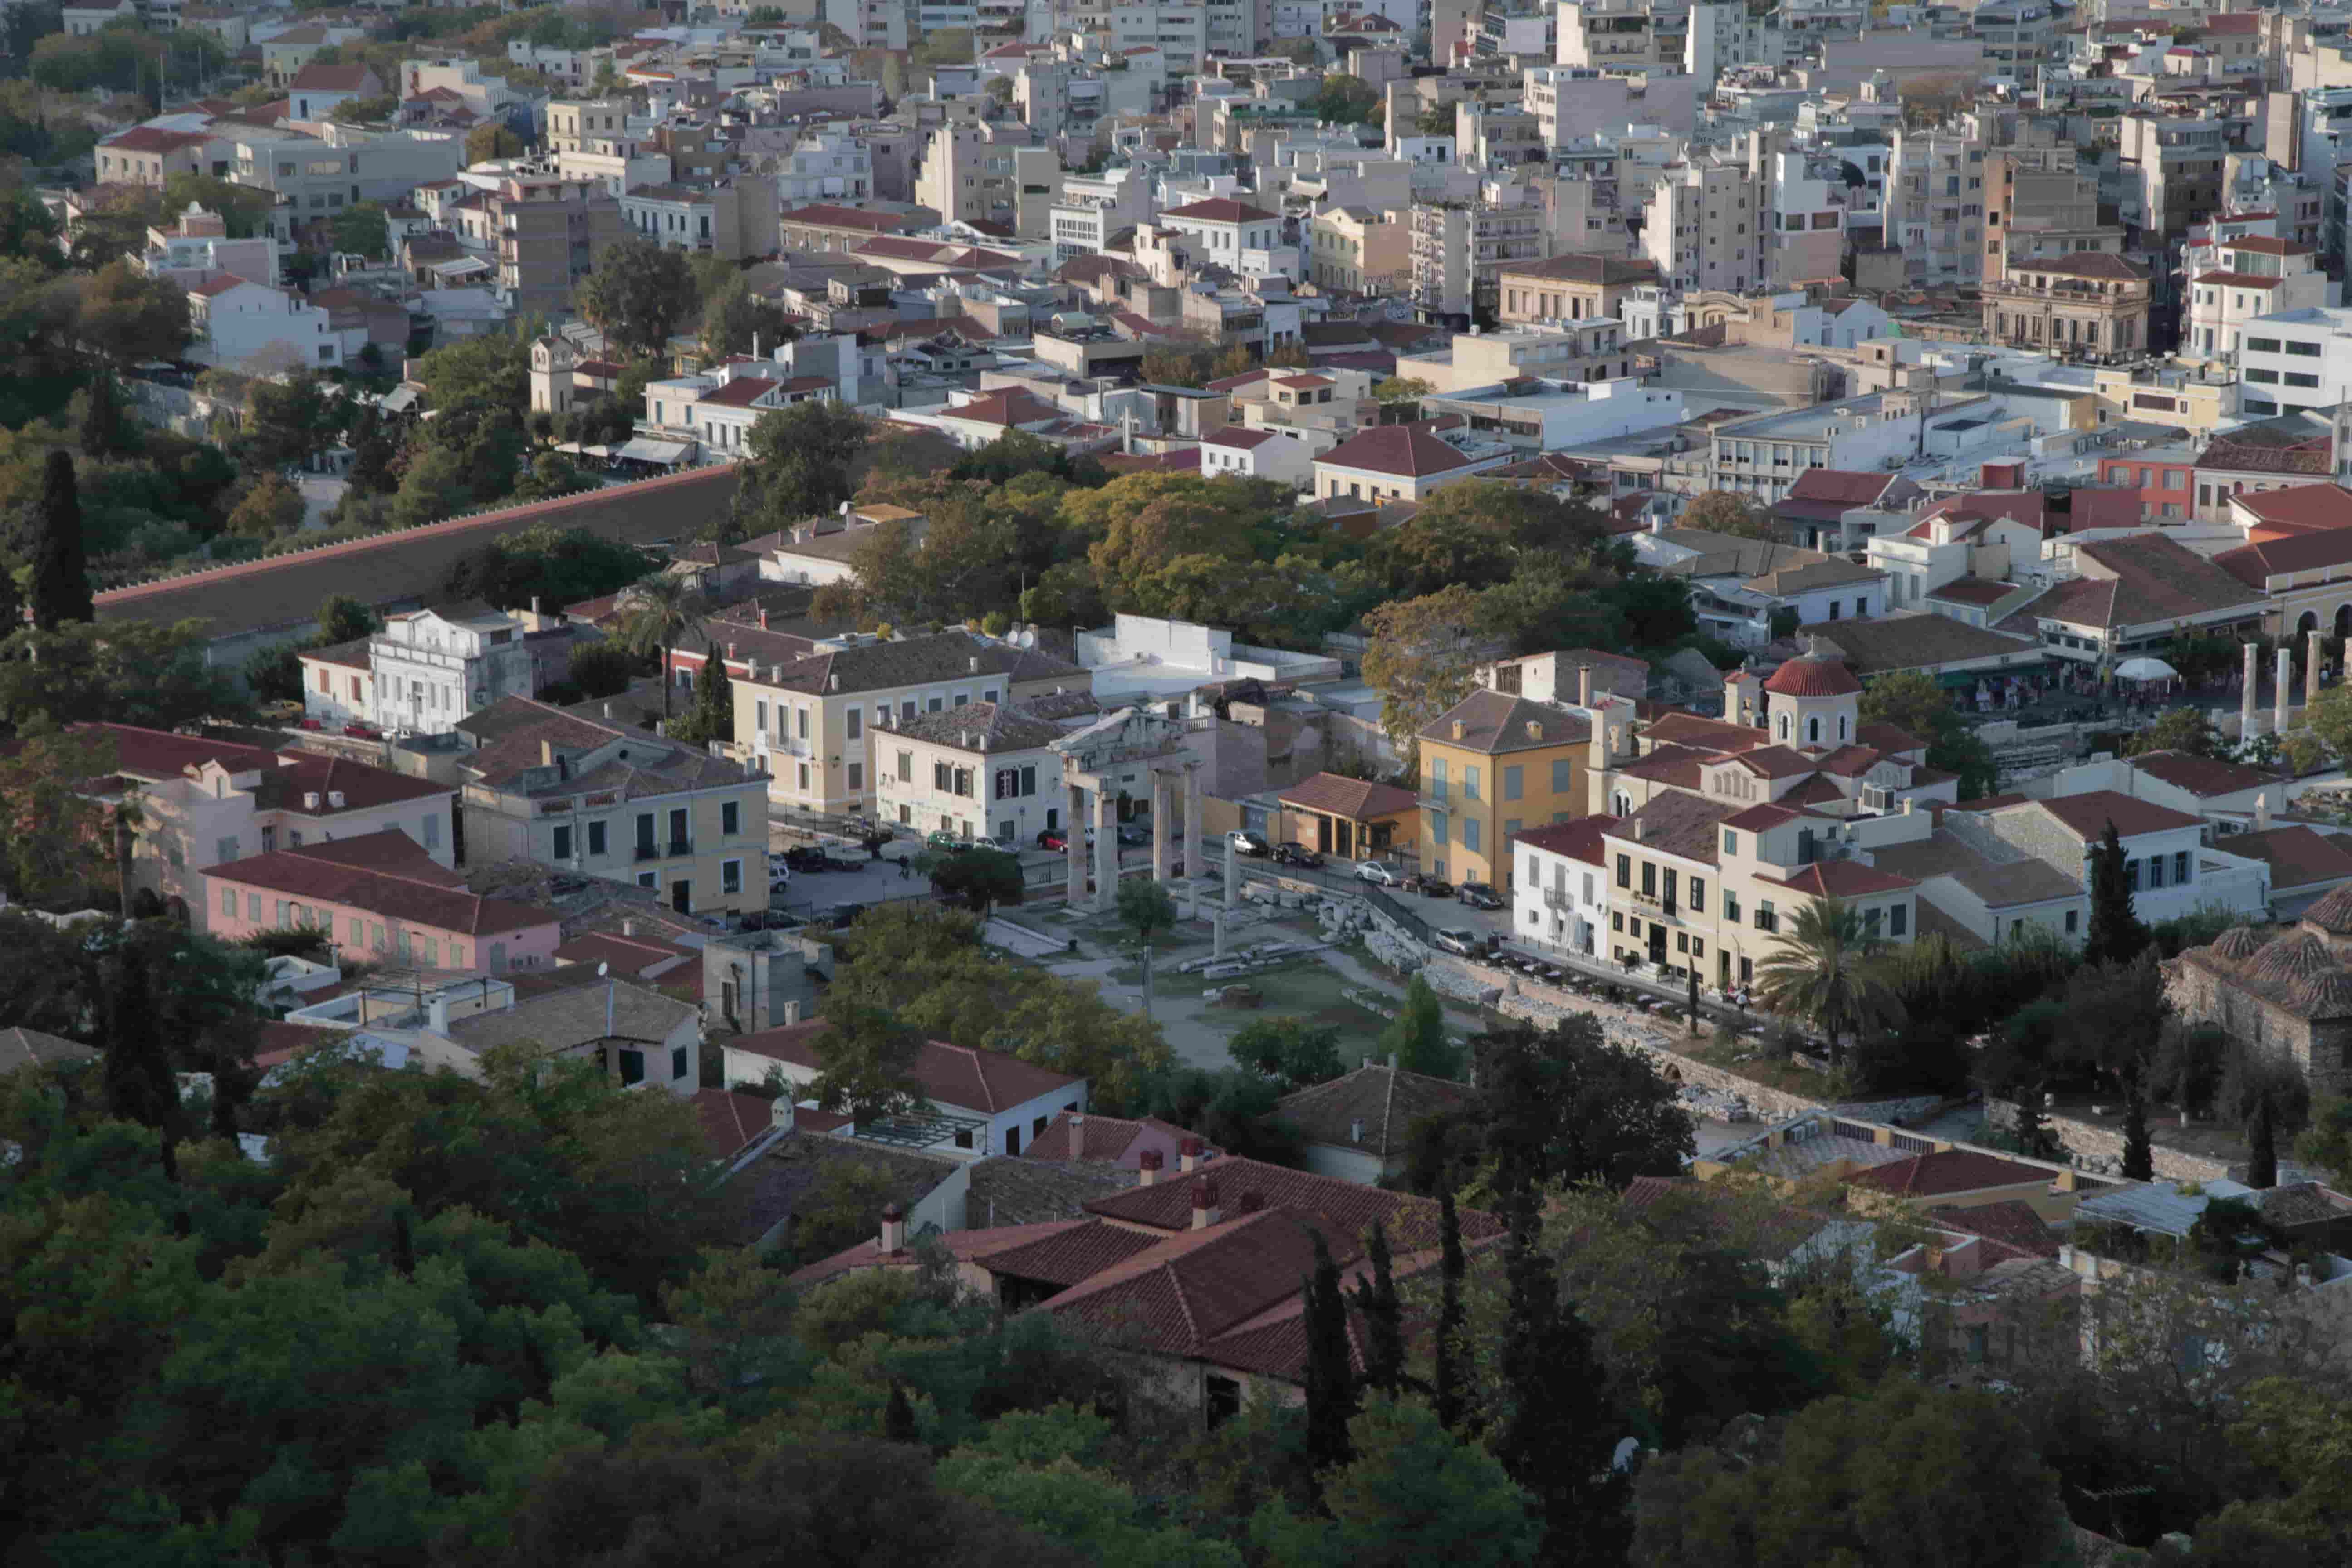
x=1812 y=678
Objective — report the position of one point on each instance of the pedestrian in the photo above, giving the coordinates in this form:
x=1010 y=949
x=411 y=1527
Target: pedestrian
x=904 y=870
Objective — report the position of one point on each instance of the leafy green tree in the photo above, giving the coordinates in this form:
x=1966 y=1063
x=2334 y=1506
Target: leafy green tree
x=2181 y=730
x=1727 y=513
x=2139 y=1151
x=1415 y=1494
x=735 y=320
x=128 y=317
x=2330 y=719
x=341 y=619
x=290 y=421
x=556 y=566
x=1235 y=1111
x=801 y=461
x=2116 y=935
x=1564 y=1105
x=1657 y=610
x=865 y=1061
x=602 y=668
x=1346 y=100
x=1555 y=1438
x=58 y=586
x=712 y=717
x=2113 y=1017
x=638 y=294
x=127 y=672
x=1437 y=121
x=1416 y=1039
x=977 y=879
x=1331 y=1392
x=270 y=510
x=1145 y=907
x=1420 y=655
x=1293 y=1052
x=489 y=140
x=663 y=609
x=1912 y=702
x=1941 y=1477
x=362 y=230
x=1824 y=970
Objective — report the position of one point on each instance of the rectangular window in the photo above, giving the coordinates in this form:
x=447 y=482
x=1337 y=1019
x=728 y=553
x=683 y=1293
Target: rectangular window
x=224 y=851
x=432 y=830
x=2071 y=918
x=1511 y=783
x=731 y=876
x=1470 y=833
x=1560 y=780
x=2181 y=866
x=2155 y=872
x=800 y=722
x=1698 y=895
x=731 y=817
x=2131 y=875
x=1730 y=842
x=1470 y=784
x=1624 y=870
x=1765 y=920
x=760 y=714
x=855 y=719
x=595 y=839
x=633 y=1067
x=1437 y=778
x=857 y=775
x=1898 y=918
x=1649 y=879
x=228 y=902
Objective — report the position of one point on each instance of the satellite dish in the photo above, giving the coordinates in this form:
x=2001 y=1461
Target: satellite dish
x=600 y=969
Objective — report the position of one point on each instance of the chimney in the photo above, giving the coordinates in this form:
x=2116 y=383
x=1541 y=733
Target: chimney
x=608 y=709
x=792 y=1013
x=1206 y=1212
x=1356 y=1131
x=437 y=1015
x=1147 y=1167
x=832 y=682
x=1395 y=1060
x=1457 y=728
x=2262 y=811
x=534 y=606
x=894 y=1228
x=731 y=652
x=1535 y=730
x=1584 y=686
x=1188 y=1154
x=975 y=664
x=629 y=928
x=763 y=617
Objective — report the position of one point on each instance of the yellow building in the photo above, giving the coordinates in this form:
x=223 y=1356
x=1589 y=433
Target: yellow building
x=1493 y=764
x=1354 y=819
x=1359 y=250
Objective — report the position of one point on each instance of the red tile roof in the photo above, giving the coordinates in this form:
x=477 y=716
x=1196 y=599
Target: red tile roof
x=730 y=1121
x=2199 y=776
x=2012 y=1222
x=1812 y=678
x=1358 y=800
x=1092 y=1137
x=1220 y=210
x=288 y=778
x=956 y=1076
x=2089 y=813
x=1841 y=879
x=823 y=215
x=153 y=139
x=385 y=874
x=1075 y=1251
x=2302 y=508
x=1408 y=451
x=1010 y=407
x=740 y=392
x=1236 y=436
x=1168 y=1205
x=1577 y=840
x=2298 y=856
x=1951 y=1171
x=2255 y=565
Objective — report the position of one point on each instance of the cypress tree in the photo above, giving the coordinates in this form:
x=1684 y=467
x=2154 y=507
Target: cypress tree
x=2139 y=1153
x=2262 y=1147
x=60 y=580
x=2116 y=935
x=1383 y=1314
x=1330 y=1371
x=1451 y=1268
x=136 y=1074
x=1559 y=1440
x=101 y=428
x=898 y=1417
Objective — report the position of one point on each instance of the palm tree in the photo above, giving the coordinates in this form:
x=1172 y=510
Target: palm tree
x=663 y=609
x=123 y=821
x=1826 y=973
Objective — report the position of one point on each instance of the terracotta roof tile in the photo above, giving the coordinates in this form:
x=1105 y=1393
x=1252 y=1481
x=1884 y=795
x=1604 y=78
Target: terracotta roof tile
x=1951 y=1171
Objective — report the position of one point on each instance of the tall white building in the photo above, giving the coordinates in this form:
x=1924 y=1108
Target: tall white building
x=1704 y=226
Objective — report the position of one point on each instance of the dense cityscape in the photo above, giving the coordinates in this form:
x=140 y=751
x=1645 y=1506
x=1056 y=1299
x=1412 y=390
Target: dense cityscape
x=1254 y=784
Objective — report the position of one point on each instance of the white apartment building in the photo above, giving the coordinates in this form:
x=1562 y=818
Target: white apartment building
x=2298 y=358
x=1221 y=229
x=982 y=771
x=1461 y=249
x=2255 y=276
x=1935 y=205
x=253 y=327
x=826 y=166
x=1704 y=227
x=1807 y=223
x=424 y=671
x=1618 y=37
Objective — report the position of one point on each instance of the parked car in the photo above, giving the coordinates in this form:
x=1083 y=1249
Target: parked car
x=1245 y=842
x=1297 y=854
x=1134 y=833
x=941 y=838
x=285 y=711
x=804 y=857
x=1436 y=888
x=778 y=877
x=1478 y=896
x=1454 y=939
x=1059 y=838
x=1375 y=871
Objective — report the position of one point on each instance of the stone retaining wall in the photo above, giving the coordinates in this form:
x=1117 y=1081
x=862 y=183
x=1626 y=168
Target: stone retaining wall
x=2101 y=1148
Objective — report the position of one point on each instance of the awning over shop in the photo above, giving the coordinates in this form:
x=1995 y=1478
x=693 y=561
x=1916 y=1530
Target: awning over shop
x=643 y=450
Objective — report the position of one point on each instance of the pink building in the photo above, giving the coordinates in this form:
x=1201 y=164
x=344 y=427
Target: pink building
x=204 y=803
x=381 y=897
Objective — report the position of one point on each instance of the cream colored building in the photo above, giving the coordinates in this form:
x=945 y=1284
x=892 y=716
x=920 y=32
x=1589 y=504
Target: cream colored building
x=568 y=792
x=808 y=722
x=1359 y=250
x=985 y=771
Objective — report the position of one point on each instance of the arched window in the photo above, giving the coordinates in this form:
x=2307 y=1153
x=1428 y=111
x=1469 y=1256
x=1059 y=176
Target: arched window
x=1784 y=726
x=1842 y=723
x=1813 y=729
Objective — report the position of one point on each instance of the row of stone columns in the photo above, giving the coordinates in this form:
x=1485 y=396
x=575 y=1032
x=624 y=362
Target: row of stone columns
x=1166 y=786
x=2282 y=682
